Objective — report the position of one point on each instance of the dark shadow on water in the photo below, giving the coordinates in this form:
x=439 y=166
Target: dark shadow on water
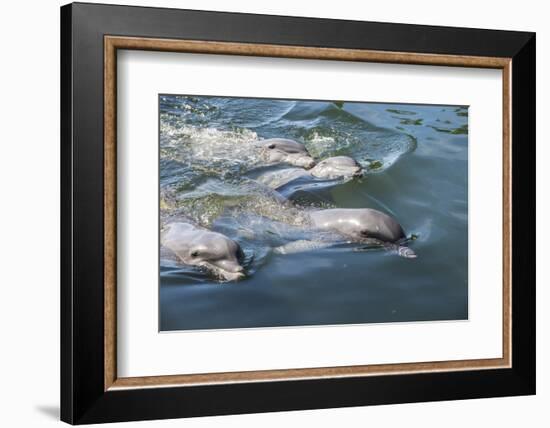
x=50 y=411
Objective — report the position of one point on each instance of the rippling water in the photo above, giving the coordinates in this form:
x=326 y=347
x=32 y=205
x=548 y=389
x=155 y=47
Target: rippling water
x=416 y=167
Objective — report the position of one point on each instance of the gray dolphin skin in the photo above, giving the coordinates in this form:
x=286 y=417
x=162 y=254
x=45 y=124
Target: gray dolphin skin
x=278 y=178
x=282 y=150
x=337 y=167
x=200 y=247
x=363 y=225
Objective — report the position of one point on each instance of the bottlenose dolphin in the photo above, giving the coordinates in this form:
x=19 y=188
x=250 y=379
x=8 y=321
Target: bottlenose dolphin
x=196 y=246
x=282 y=150
x=333 y=168
x=356 y=225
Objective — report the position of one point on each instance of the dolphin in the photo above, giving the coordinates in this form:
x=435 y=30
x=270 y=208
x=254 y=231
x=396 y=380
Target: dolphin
x=364 y=225
x=337 y=167
x=333 y=168
x=282 y=150
x=354 y=225
x=196 y=246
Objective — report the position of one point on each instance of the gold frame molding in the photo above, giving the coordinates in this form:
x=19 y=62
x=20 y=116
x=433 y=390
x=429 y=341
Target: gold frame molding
x=113 y=43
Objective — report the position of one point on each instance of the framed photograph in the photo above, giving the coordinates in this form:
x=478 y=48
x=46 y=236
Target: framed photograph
x=266 y=213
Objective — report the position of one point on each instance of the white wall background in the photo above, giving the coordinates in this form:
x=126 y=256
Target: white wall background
x=29 y=214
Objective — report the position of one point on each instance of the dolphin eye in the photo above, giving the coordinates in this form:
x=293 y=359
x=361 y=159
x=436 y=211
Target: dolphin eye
x=195 y=253
x=271 y=146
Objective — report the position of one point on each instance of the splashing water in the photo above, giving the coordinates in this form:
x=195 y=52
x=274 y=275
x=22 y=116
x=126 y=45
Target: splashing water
x=207 y=149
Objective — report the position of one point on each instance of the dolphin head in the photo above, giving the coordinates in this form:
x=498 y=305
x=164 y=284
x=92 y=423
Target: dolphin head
x=359 y=224
x=211 y=250
x=337 y=167
x=218 y=254
x=280 y=150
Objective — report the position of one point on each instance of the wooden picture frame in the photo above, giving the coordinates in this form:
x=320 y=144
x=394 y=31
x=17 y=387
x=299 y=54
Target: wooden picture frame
x=91 y=391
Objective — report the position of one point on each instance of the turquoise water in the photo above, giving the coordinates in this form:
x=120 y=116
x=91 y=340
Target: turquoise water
x=416 y=168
